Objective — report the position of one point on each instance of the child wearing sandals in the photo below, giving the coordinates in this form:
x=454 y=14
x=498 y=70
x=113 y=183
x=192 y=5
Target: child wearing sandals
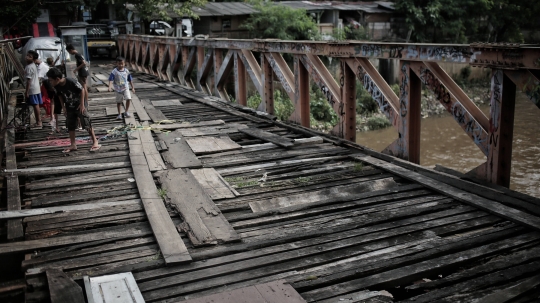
x=33 y=90
x=71 y=93
x=121 y=78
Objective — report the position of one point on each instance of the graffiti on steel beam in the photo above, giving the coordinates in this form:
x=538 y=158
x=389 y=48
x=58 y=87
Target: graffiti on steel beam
x=279 y=73
x=414 y=52
x=377 y=95
x=404 y=90
x=496 y=98
x=440 y=91
x=532 y=90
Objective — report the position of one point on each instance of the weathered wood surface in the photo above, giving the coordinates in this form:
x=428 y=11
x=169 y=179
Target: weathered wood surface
x=267 y=136
x=170 y=102
x=187 y=124
x=203 y=221
x=213 y=184
x=333 y=193
x=477 y=201
x=271 y=292
x=64 y=169
x=207 y=145
x=179 y=154
x=62 y=289
x=213 y=130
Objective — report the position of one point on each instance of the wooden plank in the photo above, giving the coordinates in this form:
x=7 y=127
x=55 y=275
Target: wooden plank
x=102 y=77
x=62 y=289
x=112 y=111
x=171 y=102
x=14 y=226
x=308 y=141
x=139 y=109
x=490 y=206
x=510 y=293
x=116 y=288
x=187 y=124
x=152 y=155
x=213 y=184
x=210 y=131
x=102 y=89
x=204 y=223
x=179 y=154
x=272 y=292
x=125 y=231
x=207 y=145
x=311 y=197
x=39 y=171
x=170 y=243
x=267 y=136
x=60 y=209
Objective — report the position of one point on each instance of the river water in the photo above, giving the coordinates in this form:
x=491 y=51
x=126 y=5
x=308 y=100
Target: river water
x=443 y=142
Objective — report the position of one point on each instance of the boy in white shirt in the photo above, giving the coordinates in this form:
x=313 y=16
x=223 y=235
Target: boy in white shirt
x=120 y=78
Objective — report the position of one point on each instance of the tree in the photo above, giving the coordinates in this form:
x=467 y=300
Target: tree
x=18 y=16
x=161 y=9
x=280 y=22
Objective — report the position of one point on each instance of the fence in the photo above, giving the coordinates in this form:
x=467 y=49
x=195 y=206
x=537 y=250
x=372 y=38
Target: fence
x=174 y=59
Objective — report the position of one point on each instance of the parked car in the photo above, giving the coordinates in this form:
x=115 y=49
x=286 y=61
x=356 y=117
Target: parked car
x=100 y=41
x=159 y=28
x=46 y=47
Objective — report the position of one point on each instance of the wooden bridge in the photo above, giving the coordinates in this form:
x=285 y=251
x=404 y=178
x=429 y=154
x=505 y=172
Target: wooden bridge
x=200 y=197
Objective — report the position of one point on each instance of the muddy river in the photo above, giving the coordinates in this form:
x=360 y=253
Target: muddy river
x=443 y=142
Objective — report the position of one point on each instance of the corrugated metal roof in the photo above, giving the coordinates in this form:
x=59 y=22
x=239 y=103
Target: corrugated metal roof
x=242 y=8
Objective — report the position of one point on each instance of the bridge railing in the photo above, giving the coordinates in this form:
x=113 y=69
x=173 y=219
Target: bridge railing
x=10 y=67
x=512 y=65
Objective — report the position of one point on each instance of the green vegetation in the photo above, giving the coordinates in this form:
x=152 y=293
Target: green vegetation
x=377 y=122
x=162 y=192
x=280 y=22
x=465 y=21
x=303 y=180
x=358 y=166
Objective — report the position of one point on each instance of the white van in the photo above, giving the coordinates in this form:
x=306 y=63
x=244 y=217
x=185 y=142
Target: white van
x=160 y=28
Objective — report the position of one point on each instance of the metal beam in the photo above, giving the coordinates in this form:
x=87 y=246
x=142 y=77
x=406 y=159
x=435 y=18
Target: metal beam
x=204 y=70
x=501 y=128
x=379 y=90
x=188 y=66
x=223 y=73
x=407 y=146
x=527 y=82
x=253 y=69
x=240 y=87
x=267 y=103
x=282 y=72
x=154 y=58
x=301 y=94
x=348 y=99
x=163 y=61
x=437 y=81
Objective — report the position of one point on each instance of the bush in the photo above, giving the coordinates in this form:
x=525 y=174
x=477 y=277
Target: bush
x=283 y=107
x=364 y=102
x=357 y=34
x=377 y=122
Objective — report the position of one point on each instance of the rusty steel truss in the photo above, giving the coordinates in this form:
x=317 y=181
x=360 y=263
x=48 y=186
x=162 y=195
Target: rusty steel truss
x=512 y=65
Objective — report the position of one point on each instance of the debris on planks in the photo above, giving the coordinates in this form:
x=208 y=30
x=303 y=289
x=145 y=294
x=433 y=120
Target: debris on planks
x=62 y=289
x=187 y=124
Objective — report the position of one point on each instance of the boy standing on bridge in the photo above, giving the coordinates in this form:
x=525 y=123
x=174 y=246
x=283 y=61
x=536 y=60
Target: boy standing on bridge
x=73 y=98
x=33 y=90
x=121 y=78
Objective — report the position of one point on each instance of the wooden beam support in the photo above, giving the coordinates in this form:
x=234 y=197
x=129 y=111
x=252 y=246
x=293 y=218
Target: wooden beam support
x=240 y=87
x=455 y=101
x=348 y=99
x=301 y=94
x=527 y=82
x=501 y=128
x=407 y=146
x=267 y=103
x=379 y=90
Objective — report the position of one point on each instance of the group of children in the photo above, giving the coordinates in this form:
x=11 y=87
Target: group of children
x=47 y=86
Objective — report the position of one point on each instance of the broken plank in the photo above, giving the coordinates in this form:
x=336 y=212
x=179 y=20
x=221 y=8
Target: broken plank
x=170 y=243
x=187 y=124
x=171 y=102
x=308 y=141
x=267 y=136
x=213 y=184
x=491 y=206
x=207 y=145
x=179 y=154
x=141 y=112
x=332 y=193
x=203 y=221
x=62 y=289
x=65 y=169
x=510 y=293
